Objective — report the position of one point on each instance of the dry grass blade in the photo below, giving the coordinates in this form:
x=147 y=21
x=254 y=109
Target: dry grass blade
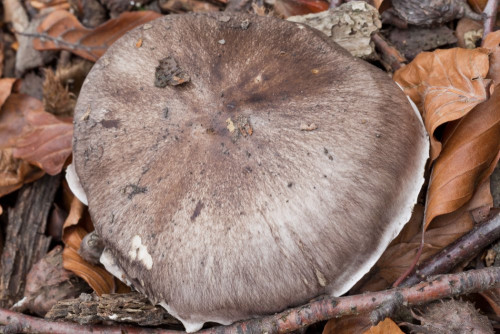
x=445 y=85
x=61 y=30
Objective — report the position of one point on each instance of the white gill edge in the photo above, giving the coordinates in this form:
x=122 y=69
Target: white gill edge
x=404 y=215
x=75 y=185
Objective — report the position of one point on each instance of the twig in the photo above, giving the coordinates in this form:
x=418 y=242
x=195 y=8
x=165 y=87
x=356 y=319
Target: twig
x=490 y=16
x=329 y=307
x=59 y=41
x=464 y=248
x=389 y=53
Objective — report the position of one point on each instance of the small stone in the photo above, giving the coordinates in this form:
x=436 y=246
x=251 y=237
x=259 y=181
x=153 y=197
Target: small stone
x=222 y=41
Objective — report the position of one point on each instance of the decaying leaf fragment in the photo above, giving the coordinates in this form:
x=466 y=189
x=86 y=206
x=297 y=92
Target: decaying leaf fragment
x=288 y=8
x=388 y=326
x=492 y=43
x=34 y=135
x=47 y=283
x=73 y=233
x=61 y=30
x=14 y=172
x=471 y=149
x=445 y=85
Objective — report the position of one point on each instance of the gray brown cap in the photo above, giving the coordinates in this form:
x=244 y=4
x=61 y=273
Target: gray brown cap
x=237 y=165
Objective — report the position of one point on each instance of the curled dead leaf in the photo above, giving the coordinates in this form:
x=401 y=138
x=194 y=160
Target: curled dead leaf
x=6 y=85
x=48 y=282
x=445 y=85
x=288 y=8
x=97 y=277
x=34 y=135
x=471 y=149
x=53 y=4
x=15 y=172
x=73 y=233
x=348 y=324
x=61 y=30
x=444 y=230
x=492 y=43
x=388 y=326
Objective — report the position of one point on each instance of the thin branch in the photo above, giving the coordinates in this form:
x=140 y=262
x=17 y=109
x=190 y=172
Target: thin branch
x=464 y=248
x=323 y=309
x=490 y=16
x=60 y=41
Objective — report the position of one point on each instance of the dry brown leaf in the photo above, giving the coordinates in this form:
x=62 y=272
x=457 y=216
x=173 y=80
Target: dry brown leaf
x=75 y=214
x=492 y=296
x=183 y=6
x=388 y=326
x=36 y=136
x=15 y=172
x=471 y=149
x=47 y=283
x=347 y=324
x=444 y=230
x=445 y=85
x=73 y=233
x=288 y=8
x=6 y=85
x=61 y=30
x=97 y=277
x=2 y=55
x=492 y=43
x=377 y=3
x=48 y=143
x=53 y=4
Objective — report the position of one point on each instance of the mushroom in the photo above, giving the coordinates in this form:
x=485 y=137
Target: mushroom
x=234 y=179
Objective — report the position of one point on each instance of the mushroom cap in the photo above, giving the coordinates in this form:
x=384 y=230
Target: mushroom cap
x=237 y=165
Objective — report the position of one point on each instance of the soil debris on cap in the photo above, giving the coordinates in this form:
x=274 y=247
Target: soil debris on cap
x=169 y=73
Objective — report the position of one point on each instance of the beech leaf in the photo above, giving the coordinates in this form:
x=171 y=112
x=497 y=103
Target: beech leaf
x=388 y=326
x=471 y=149
x=61 y=30
x=34 y=135
x=444 y=230
x=73 y=233
x=15 y=172
x=492 y=43
x=288 y=8
x=445 y=85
